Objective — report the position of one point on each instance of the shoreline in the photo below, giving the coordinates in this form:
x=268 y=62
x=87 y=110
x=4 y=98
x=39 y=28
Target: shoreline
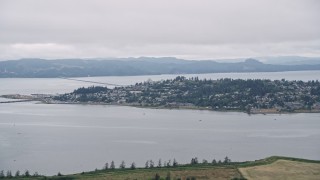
x=260 y=111
x=29 y=98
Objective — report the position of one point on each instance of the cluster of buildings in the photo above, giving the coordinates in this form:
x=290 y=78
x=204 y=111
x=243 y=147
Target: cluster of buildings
x=224 y=94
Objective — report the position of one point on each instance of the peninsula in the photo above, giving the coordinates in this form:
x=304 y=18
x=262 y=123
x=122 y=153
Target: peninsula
x=251 y=95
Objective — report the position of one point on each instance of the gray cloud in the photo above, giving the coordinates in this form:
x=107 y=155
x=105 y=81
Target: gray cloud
x=192 y=29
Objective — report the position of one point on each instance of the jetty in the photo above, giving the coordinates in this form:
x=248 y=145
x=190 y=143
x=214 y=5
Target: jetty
x=23 y=100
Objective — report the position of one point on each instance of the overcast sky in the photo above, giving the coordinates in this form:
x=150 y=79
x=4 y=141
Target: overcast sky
x=190 y=29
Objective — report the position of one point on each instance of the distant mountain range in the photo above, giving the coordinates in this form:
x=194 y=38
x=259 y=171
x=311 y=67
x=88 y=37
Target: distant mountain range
x=41 y=68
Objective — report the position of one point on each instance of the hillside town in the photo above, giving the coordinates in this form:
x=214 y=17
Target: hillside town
x=252 y=95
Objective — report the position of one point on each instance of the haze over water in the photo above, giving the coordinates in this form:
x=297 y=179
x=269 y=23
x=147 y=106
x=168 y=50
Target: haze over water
x=52 y=138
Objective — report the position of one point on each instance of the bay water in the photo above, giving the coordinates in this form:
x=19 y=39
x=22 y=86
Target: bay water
x=52 y=138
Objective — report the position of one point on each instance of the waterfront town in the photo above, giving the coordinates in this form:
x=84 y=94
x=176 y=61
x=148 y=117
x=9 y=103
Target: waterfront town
x=251 y=95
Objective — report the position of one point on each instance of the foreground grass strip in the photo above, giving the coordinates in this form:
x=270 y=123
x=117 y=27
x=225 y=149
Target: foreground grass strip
x=275 y=167
x=197 y=172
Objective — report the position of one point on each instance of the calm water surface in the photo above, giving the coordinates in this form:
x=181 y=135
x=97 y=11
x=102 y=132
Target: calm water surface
x=74 y=138
x=55 y=85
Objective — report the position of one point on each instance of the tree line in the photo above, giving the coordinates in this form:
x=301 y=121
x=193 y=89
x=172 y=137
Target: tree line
x=149 y=164
x=9 y=174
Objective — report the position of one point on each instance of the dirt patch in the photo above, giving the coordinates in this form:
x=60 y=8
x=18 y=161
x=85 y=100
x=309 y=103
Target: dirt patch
x=283 y=169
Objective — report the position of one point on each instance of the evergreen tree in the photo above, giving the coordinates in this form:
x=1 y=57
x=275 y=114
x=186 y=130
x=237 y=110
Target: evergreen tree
x=106 y=166
x=194 y=161
x=133 y=166
x=9 y=174
x=204 y=161
x=175 y=163
x=151 y=164
x=147 y=164
x=214 y=162
x=112 y=166
x=169 y=163
x=2 y=174
x=122 y=165
x=17 y=174
x=226 y=160
x=27 y=173
x=159 y=163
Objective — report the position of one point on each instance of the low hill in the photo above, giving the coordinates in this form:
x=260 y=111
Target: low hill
x=41 y=68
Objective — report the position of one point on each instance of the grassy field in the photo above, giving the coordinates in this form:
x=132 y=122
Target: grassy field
x=283 y=169
x=270 y=168
x=183 y=173
x=174 y=173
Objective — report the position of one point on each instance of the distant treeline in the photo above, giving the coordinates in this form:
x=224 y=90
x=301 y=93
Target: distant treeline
x=169 y=163
x=110 y=167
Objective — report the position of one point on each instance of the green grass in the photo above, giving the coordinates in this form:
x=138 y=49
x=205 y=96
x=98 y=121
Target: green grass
x=198 y=171
x=272 y=159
